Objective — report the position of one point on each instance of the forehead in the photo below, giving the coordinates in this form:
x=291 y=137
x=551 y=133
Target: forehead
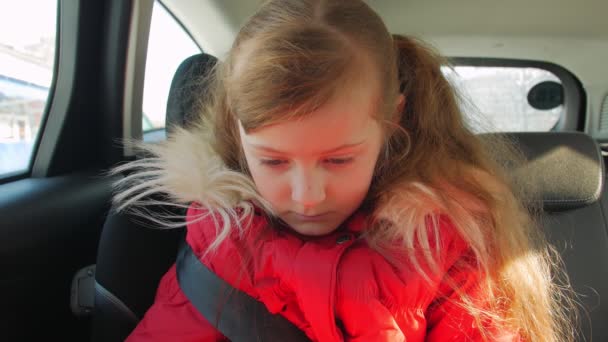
x=348 y=118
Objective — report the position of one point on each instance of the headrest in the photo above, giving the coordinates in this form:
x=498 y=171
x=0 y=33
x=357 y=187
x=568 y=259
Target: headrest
x=186 y=89
x=567 y=168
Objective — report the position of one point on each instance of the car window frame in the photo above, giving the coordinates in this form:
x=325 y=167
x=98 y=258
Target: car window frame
x=159 y=134
x=575 y=103
x=56 y=90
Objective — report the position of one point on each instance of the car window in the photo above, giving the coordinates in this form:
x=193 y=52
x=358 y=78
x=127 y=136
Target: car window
x=27 y=57
x=168 y=45
x=506 y=99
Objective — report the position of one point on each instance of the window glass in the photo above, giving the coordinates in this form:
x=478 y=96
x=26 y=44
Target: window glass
x=496 y=99
x=27 y=53
x=168 y=46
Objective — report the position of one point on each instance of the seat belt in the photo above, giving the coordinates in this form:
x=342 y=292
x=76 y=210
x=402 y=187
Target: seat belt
x=238 y=316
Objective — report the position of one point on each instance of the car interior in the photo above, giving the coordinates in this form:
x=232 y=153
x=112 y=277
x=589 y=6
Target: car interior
x=104 y=73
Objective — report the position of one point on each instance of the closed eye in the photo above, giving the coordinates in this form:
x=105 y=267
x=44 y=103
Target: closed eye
x=272 y=162
x=339 y=161
x=280 y=162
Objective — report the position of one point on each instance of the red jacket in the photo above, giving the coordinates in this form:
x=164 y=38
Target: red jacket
x=317 y=282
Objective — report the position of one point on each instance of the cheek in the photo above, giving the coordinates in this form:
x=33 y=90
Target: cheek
x=269 y=185
x=363 y=178
x=355 y=185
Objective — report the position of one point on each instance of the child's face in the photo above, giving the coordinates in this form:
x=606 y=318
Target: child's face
x=319 y=166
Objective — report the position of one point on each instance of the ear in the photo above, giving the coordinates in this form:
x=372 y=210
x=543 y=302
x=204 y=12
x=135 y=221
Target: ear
x=400 y=105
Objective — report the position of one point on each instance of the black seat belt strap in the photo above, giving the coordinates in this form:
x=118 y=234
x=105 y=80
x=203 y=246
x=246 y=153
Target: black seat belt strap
x=238 y=316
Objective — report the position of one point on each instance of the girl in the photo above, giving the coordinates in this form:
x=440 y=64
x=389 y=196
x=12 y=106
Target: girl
x=332 y=178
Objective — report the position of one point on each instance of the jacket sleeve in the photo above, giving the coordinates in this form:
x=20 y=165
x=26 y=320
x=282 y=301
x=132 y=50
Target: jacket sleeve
x=447 y=320
x=379 y=302
x=173 y=318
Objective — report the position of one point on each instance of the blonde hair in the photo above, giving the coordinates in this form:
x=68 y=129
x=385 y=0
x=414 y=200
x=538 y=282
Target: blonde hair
x=289 y=59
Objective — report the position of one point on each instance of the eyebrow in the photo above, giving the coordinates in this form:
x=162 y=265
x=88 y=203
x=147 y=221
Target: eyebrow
x=272 y=150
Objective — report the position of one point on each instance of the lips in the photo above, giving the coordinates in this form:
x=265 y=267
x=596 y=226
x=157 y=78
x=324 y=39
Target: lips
x=310 y=218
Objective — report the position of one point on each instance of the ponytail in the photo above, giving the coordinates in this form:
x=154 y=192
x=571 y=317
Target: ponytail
x=431 y=115
x=431 y=121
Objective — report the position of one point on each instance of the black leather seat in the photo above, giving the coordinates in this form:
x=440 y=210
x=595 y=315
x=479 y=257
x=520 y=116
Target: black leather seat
x=569 y=169
x=567 y=166
x=131 y=256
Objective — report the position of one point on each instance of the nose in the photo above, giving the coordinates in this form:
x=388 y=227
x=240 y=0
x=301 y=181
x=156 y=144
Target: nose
x=308 y=187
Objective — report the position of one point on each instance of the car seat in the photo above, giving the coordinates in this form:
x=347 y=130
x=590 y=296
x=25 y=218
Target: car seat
x=566 y=166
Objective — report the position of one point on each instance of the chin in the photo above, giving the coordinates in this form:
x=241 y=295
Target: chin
x=313 y=228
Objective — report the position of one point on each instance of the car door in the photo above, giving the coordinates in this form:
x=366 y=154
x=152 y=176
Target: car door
x=71 y=91
x=62 y=67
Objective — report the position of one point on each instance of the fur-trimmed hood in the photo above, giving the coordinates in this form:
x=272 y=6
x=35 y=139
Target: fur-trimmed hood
x=185 y=169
